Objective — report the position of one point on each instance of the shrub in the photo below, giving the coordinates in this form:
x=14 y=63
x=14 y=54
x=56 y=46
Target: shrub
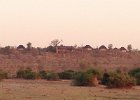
x=107 y=75
x=136 y=74
x=43 y=74
x=105 y=79
x=133 y=72
x=52 y=76
x=49 y=75
x=26 y=74
x=95 y=72
x=68 y=74
x=119 y=80
x=3 y=75
x=84 y=79
x=20 y=73
x=30 y=75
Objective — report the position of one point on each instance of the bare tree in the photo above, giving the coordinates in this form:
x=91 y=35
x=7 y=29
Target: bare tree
x=55 y=42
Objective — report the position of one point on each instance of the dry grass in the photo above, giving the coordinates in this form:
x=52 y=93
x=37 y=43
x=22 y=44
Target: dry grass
x=61 y=90
x=74 y=61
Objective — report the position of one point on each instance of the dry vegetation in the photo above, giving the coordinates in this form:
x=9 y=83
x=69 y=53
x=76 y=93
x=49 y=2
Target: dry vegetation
x=74 y=61
x=61 y=90
x=17 y=89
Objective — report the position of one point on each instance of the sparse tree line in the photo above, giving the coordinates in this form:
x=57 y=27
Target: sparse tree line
x=54 y=45
x=91 y=77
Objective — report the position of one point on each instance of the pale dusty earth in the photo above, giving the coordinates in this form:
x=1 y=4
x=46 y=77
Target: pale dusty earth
x=15 y=89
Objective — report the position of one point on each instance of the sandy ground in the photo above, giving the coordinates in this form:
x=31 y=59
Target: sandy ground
x=61 y=90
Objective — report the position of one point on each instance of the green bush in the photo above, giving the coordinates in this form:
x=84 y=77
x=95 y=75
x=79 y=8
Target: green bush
x=49 y=75
x=43 y=74
x=52 y=76
x=20 y=73
x=95 y=72
x=136 y=74
x=133 y=72
x=29 y=74
x=120 y=80
x=105 y=79
x=68 y=74
x=88 y=78
x=84 y=79
x=3 y=75
x=26 y=74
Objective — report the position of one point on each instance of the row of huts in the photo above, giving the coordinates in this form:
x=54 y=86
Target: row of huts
x=62 y=49
x=88 y=48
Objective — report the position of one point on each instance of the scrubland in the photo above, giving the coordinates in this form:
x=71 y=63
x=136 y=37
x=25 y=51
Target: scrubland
x=17 y=89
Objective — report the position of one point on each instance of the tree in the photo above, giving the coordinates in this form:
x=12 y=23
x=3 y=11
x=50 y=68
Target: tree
x=129 y=47
x=7 y=50
x=55 y=42
x=75 y=46
x=110 y=46
x=29 y=45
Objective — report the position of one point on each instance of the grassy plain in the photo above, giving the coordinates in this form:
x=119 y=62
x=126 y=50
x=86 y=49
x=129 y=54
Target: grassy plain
x=61 y=90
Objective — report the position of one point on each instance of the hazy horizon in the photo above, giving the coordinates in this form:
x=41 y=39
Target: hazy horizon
x=81 y=22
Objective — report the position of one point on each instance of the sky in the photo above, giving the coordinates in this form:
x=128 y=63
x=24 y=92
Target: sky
x=81 y=22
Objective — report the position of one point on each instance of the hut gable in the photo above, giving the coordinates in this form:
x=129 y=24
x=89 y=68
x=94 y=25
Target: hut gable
x=102 y=48
x=122 y=49
x=88 y=47
x=20 y=47
x=116 y=49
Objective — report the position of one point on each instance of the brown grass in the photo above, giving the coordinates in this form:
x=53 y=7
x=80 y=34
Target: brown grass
x=61 y=90
x=59 y=62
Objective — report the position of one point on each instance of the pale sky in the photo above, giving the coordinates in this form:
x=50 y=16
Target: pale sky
x=80 y=22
